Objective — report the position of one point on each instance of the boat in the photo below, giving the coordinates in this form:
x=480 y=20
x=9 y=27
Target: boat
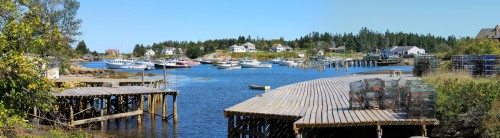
x=228 y=66
x=257 y=87
x=248 y=63
x=149 y=64
x=275 y=61
x=190 y=63
x=287 y=63
x=123 y=64
x=170 y=64
x=206 y=62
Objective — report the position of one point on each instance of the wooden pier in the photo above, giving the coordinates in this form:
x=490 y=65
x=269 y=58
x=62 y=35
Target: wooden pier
x=98 y=104
x=316 y=108
x=94 y=82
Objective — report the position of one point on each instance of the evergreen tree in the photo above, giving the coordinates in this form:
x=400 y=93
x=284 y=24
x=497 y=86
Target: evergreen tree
x=81 y=48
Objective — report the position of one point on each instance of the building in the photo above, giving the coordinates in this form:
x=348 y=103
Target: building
x=87 y=57
x=301 y=55
x=149 y=52
x=321 y=52
x=277 y=48
x=404 y=51
x=236 y=48
x=168 y=51
x=340 y=49
x=249 y=47
x=112 y=52
x=179 y=51
x=490 y=33
x=288 y=48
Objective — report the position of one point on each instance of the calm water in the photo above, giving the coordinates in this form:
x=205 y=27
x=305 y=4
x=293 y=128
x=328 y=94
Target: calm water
x=206 y=91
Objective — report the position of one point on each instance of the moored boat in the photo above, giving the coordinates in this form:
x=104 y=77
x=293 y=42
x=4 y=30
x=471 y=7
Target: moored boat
x=257 y=87
x=228 y=66
x=122 y=64
x=247 y=63
x=149 y=63
x=170 y=64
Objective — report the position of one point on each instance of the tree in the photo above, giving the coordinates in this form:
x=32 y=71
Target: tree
x=22 y=82
x=193 y=52
x=81 y=48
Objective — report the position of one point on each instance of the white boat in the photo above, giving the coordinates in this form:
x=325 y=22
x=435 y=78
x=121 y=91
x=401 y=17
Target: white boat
x=275 y=61
x=170 y=64
x=245 y=63
x=228 y=66
x=288 y=63
x=122 y=64
x=149 y=64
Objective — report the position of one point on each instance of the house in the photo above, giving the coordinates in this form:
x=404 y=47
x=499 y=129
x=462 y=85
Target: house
x=288 y=48
x=112 y=52
x=168 y=51
x=149 y=52
x=249 y=47
x=236 y=48
x=491 y=33
x=404 y=51
x=301 y=55
x=340 y=49
x=277 y=48
x=87 y=57
x=321 y=52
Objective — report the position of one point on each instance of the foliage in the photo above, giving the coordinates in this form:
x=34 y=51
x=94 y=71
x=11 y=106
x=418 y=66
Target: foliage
x=22 y=85
x=81 y=48
x=58 y=133
x=264 y=55
x=139 y=50
x=466 y=103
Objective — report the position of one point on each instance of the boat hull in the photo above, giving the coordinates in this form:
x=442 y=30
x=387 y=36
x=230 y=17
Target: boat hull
x=168 y=66
x=259 y=87
x=125 y=66
x=256 y=65
x=228 y=67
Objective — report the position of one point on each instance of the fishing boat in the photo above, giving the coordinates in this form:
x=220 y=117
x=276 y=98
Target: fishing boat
x=252 y=63
x=257 y=87
x=206 y=61
x=287 y=63
x=190 y=63
x=123 y=64
x=275 y=61
x=170 y=64
x=228 y=66
x=149 y=63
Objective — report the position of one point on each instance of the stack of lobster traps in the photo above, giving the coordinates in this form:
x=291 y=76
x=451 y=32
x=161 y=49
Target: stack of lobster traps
x=415 y=98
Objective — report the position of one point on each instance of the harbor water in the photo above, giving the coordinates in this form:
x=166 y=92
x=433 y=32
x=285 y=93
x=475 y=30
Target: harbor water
x=206 y=91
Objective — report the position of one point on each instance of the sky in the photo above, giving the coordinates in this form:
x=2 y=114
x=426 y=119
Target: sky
x=118 y=24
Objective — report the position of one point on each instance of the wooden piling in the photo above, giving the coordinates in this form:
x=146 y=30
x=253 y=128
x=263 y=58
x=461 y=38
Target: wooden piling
x=165 y=75
x=164 y=107
x=71 y=117
x=175 y=107
x=102 y=111
x=141 y=105
x=142 y=77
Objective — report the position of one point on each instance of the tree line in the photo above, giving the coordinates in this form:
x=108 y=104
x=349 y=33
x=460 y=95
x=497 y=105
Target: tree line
x=365 y=40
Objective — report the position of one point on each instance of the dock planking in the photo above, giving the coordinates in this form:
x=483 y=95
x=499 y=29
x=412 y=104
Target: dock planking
x=321 y=103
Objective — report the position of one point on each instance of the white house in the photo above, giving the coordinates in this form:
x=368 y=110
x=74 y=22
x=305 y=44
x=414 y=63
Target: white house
x=168 y=51
x=149 y=52
x=277 y=48
x=403 y=51
x=249 y=47
x=301 y=55
x=288 y=48
x=236 y=48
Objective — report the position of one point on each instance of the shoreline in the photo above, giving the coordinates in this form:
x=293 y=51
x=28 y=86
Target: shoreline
x=381 y=72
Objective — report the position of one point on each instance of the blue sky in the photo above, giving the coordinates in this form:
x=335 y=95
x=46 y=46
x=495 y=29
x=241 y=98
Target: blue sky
x=122 y=24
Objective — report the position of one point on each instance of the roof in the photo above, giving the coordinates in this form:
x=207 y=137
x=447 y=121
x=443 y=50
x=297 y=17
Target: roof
x=249 y=45
x=400 y=48
x=236 y=46
x=487 y=33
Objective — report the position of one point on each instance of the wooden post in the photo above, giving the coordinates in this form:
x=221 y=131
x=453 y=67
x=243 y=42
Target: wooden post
x=71 y=118
x=142 y=77
x=152 y=104
x=141 y=105
x=424 y=131
x=379 y=131
x=164 y=107
x=230 y=126
x=175 y=108
x=102 y=111
x=165 y=74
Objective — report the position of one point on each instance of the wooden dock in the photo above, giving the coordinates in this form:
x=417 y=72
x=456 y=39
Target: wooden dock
x=98 y=104
x=95 y=82
x=321 y=103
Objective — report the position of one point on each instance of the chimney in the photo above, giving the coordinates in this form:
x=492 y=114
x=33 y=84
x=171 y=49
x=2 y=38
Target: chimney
x=497 y=28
